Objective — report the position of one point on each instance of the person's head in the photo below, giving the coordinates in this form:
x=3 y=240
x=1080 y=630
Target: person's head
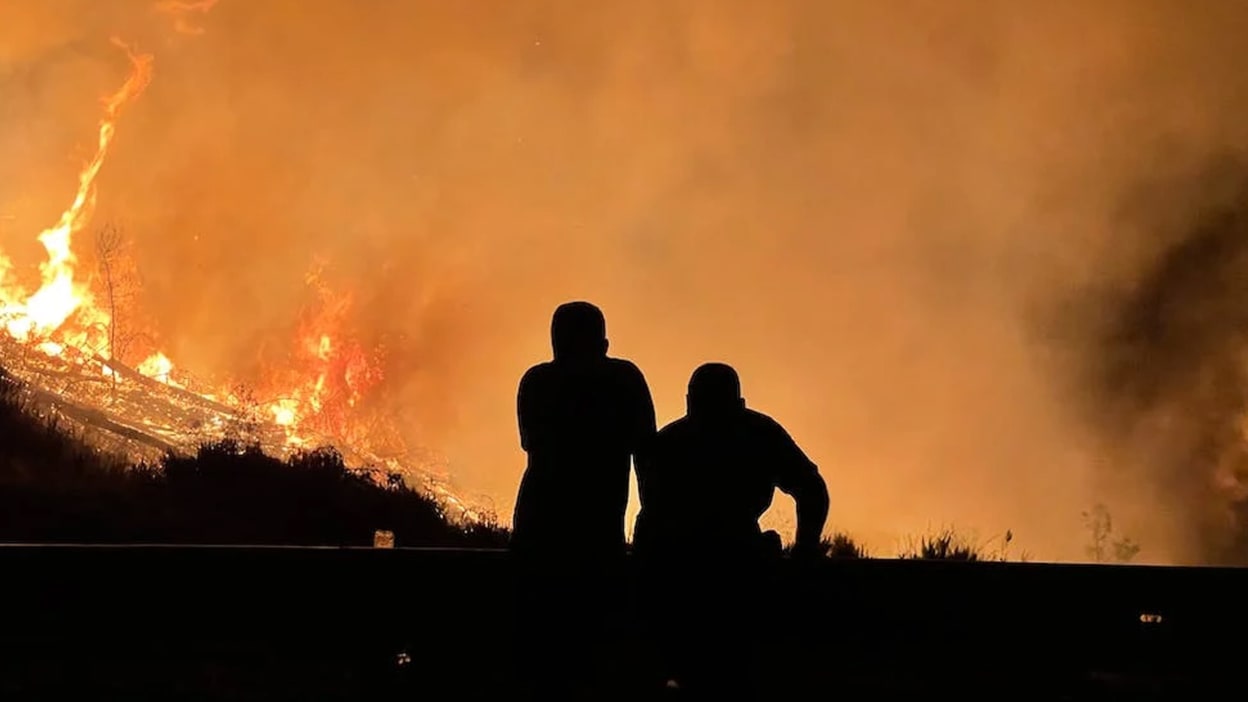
x=714 y=390
x=578 y=331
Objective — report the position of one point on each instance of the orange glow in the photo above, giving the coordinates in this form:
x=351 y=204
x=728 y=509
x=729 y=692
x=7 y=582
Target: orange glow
x=908 y=237
x=180 y=9
x=43 y=313
x=312 y=393
x=328 y=373
x=158 y=367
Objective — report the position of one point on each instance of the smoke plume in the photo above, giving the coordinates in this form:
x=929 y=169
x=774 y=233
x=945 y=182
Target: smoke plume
x=963 y=250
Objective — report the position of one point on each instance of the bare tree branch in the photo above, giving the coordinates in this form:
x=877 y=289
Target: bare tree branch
x=120 y=285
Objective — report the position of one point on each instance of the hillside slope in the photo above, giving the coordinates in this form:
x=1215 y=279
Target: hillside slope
x=56 y=489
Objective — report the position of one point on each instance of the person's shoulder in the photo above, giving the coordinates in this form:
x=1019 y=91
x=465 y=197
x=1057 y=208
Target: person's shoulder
x=770 y=433
x=671 y=436
x=624 y=368
x=674 y=432
x=622 y=365
x=757 y=419
x=762 y=424
x=676 y=426
x=537 y=372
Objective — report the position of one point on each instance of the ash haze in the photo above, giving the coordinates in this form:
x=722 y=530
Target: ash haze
x=910 y=225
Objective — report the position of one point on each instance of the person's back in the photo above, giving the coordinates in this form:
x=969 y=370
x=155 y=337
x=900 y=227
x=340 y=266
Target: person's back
x=712 y=483
x=705 y=480
x=708 y=477
x=582 y=418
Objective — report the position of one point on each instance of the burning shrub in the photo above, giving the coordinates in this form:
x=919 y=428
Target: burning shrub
x=59 y=490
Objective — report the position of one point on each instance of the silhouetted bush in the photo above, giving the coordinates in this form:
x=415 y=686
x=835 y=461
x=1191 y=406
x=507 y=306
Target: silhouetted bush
x=839 y=545
x=54 y=488
x=842 y=545
x=1106 y=545
x=945 y=544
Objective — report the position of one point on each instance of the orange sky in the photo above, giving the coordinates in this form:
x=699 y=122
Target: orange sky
x=865 y=207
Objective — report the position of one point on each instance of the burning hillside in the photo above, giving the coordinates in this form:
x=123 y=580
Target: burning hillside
x=122 y=392
x=876 y=221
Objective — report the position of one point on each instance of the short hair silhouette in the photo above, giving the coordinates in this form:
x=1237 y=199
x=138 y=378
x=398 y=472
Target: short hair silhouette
x=714 y=388
x=707 y=478
x=578 y=330
x=705 y=481
x=583 y=418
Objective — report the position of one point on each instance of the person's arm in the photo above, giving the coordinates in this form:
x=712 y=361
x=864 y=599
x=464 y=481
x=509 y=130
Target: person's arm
x=811 y=495
x=526 y=409
x=646 y=425
x=644 y=429
x=798 y=477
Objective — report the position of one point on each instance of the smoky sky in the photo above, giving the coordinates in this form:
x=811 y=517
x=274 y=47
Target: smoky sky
x=909 y=225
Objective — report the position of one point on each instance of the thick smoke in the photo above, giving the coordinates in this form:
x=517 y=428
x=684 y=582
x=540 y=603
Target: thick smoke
x=910 y=225
x=1168 y=368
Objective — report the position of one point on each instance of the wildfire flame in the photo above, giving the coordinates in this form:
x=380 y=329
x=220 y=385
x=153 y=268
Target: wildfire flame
x=158 y=367
x=328 y=374
x=312 y=397
x=330 y=371
x=60 y=296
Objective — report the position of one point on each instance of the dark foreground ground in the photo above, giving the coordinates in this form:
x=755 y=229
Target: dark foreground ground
x=179 y=623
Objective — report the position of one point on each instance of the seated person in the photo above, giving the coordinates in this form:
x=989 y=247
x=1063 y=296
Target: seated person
x=709 y=476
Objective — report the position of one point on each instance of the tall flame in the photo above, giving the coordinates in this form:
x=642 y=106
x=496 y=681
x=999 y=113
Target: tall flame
x=315 y=395
x=324 y=378
x=61 y=295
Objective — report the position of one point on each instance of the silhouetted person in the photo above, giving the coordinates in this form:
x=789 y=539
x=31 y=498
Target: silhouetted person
x=709 y=477
x=705 y=481
x=583 y=417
